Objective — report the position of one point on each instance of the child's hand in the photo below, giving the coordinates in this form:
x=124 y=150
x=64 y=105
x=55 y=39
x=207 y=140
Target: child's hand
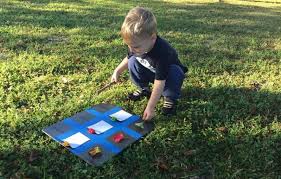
x=115 y=76
x=148 y=114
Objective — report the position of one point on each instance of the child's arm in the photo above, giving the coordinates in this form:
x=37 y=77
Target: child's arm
x=119 y=69
x=157 y=90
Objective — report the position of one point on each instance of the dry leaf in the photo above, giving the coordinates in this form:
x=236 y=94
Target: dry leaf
x=255 y=86
x=189 y=152
x=162 y=165
x=64 y=80
x=222 y=129
x=77 y=60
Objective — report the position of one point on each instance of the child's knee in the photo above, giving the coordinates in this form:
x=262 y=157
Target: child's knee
x=177 y=72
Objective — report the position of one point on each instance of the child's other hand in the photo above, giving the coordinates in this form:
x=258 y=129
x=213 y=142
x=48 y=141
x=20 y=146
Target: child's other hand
x=115 y=76
x=148 y=114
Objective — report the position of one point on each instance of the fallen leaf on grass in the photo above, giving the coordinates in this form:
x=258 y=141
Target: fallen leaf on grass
x=222 y=129
x=255 y=86
x=162 y=165
x=189 y=152
x=77 y=60
x=64 y=80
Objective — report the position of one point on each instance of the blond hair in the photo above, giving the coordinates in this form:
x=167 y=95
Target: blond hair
x=138 y=24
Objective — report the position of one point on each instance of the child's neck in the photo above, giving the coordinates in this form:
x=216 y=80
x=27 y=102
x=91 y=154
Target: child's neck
x=152 y=45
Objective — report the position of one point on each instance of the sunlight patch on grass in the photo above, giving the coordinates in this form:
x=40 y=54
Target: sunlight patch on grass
x=56 y=54
x=277 y=44
x=256 y=3
x=190 y=1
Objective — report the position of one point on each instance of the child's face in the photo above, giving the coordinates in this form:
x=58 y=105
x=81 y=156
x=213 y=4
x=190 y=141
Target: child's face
x=141 y=46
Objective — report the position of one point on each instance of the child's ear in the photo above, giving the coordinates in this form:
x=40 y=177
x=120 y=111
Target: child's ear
x=154 y=36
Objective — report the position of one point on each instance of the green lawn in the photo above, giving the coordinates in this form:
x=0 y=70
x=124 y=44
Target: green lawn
x=55 y=54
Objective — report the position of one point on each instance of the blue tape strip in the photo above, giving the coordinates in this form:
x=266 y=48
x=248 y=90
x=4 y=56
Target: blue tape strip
x=107 y=113
x=94 y=112
x=100 y=139
x=130 y=120
x=127 y=122
x=112 y=111
x=71 y=123
x=95 y=140
x=115 y=124
x=76 y=127
x=132 y=133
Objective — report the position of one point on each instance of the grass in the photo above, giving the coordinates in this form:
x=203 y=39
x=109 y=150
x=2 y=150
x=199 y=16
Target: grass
x=54 y=55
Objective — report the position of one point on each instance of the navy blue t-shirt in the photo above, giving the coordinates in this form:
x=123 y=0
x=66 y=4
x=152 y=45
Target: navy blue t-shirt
x=159 y=58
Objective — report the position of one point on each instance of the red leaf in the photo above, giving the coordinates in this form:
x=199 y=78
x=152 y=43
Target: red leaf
x=118 y=137
x=91 y=131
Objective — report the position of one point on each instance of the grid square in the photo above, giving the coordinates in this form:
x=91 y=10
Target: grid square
x=103 y=107
x=96 y=160
x=57 y=129
x=79 y=123
x=148 y=126
x=124 y=143
x=83 y=117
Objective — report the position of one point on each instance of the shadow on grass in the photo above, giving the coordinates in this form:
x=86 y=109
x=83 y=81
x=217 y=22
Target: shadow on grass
x=216 y=152
x=196 y=19
x=57 y=1
x=237 y=27
x=248 y=146
x=96 y=16
x=226 y=105
x=269 y=2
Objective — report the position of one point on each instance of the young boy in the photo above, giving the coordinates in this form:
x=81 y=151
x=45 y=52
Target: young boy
x=150 y=59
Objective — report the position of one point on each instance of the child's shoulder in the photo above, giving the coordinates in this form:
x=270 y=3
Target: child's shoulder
x=163 y=45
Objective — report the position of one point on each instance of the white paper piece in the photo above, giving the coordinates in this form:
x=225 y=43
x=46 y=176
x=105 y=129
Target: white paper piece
x=76 y=140
x=121 y=115
x=100 y=127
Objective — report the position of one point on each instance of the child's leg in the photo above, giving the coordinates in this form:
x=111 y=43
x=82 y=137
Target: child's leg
x=140 y=75
x=172 y=89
